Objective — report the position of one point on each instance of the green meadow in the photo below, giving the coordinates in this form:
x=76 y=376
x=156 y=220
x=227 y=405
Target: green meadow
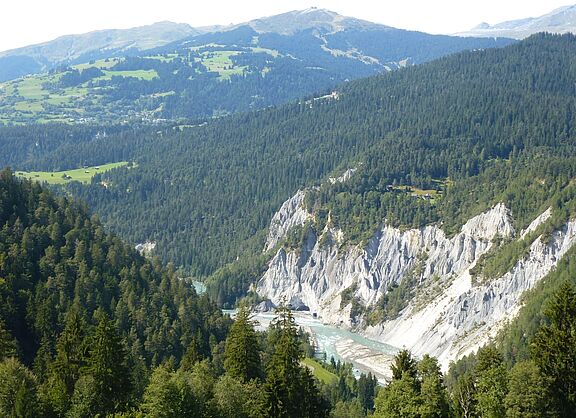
x=83 y=175
x=319 y=371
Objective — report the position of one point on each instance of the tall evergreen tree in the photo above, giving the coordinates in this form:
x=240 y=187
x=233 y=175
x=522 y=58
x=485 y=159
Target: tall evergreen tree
x=554 y=349
x=290 y=390
x=242 y=353
x=366 y=391
x=433 y=394
x=71 y=352
x=403 y=363
x=491 y=383
x=106 y=363
x=8 y=345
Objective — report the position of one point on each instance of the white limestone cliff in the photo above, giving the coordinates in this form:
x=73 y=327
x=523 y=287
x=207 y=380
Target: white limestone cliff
x=290 y=214
x=449 y=316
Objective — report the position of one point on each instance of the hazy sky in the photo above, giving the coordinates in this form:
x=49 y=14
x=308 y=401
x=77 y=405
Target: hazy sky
x=23 y=22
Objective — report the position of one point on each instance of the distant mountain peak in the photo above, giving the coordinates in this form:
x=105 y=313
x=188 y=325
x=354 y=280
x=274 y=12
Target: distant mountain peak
x=482 y=25
x=316 y=10
x=560 y=20
x=69 y=47
x=295 y=21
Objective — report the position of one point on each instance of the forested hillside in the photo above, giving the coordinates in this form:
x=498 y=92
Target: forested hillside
x=459 y=125
x=490 y=123
x=89 y=328
x=236 y=69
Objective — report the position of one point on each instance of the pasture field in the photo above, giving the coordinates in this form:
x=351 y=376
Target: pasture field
x=103 y=64
x=220 y=62
x=83 y=175
x=139 y=74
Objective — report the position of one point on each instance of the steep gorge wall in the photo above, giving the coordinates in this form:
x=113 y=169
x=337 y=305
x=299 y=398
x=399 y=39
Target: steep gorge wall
x=448 y=316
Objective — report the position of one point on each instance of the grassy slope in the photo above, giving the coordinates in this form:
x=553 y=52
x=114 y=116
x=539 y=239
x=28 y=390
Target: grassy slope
x=83 y=175
x=319 y=371
x=38 y=98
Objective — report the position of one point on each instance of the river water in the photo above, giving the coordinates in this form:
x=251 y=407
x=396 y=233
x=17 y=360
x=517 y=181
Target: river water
x=365 y=355
x=361 y=352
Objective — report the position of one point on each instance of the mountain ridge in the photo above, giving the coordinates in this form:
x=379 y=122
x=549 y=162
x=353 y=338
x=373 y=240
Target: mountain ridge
x=268 y=62
x=76 y=48
x=312 y=18
x=560 y=20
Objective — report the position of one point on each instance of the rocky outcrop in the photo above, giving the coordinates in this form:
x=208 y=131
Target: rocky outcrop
x=544 y=216
x=344 y=177
x=264 y=306
x=448 y=316
x=291 y=214
x=465 y=317
x=145 y=248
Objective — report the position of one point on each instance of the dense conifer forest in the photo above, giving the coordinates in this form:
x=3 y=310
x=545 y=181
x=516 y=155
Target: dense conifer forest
x=90 y=327
x=205 y=194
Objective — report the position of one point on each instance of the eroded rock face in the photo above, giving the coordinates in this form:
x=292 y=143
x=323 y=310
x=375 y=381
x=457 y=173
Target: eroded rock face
x=448 y=317
x=464 y=317
x=290 y=214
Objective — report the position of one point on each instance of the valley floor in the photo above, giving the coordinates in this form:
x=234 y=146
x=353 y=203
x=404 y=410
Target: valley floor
x=366 y=355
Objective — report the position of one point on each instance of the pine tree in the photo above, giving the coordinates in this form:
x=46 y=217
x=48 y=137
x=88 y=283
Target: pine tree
x=290 y=390
x=71 y=350
x=70 y=358
x=366 y=391
x=554 y=349
x=8 y=345
x=434 y=398
x=491 y=383
x=106 y=363
x=193 y=353
x=242 y=354
x=403 y=363
x=283 y=371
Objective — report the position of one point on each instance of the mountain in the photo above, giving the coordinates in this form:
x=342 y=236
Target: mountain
x=432 y=207
x=561 y=20
x=313 y=18
x=263 y=63
x=215 y=185
x=460 y=196
x=72 y=49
